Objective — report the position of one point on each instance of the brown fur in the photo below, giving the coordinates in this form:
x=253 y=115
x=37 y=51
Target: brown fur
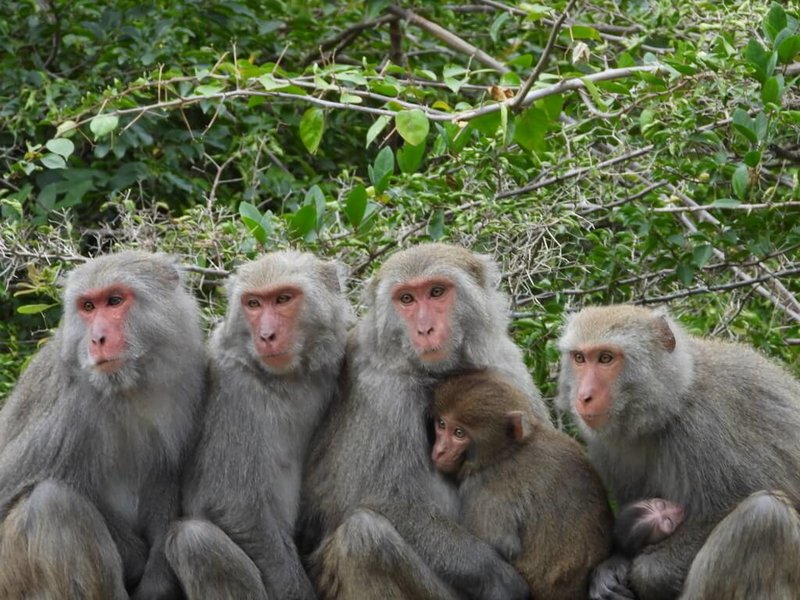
x=537 y=500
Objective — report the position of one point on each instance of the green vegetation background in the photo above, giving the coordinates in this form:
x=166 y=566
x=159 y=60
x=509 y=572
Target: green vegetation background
x=652 y=155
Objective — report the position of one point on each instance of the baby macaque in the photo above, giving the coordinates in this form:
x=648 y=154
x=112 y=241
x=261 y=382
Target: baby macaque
x=525 y=488
x=645 y=522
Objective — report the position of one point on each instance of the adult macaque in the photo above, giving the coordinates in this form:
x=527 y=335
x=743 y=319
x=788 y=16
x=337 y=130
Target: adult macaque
x=275 y=361
x=524 y=487
x=645 y=522
x=669 y=415
x=94 y=434
x=382 y=520
x=762 y=539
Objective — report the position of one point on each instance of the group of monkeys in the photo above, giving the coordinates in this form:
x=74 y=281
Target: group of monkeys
x=406 y=455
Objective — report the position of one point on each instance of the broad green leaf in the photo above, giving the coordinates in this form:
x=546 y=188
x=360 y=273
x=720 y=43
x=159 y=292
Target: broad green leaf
x=552 y=105
x=383 y=88
x=315 y=196
x=436 y=225
x=61 y=146
x=352 y=77
x=788 y=48
x=761 y=126
x=356 y=205
x=412 y=125
x=740 y=181
x=685 y=273
x=382 y=169
x=752 y=158
x=744 y=125
x=34 y=309
x=487 y=124
x=348 y=98
x=208 y=89
x=726 y=203
x=763 y=61
x=409 y=157
x=594 y=92
x=312 y=126
x=271 y=84
x=504 y=123
x=531 y=129
x=54 y=161
x=377 y=127
x=66 y=128
x=252 y=219
x=772 y=90
x=102 y=125
x=303 y=221
x=583 y=32
x=701 y=254
x=774 y=22
x=497 y=25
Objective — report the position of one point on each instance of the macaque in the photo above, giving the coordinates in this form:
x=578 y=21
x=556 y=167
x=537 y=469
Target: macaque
x=95 y=434
x=274 y=367
x=525 y=488
x=701 y=422
x=644 y=523
x=378 y=520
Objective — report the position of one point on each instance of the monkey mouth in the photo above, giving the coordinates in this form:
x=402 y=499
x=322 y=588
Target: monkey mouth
x=434 y=354
x=108 y=365
x=277 y=359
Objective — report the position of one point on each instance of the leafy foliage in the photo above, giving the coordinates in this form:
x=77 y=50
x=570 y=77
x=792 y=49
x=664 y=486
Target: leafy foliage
x=649 y=154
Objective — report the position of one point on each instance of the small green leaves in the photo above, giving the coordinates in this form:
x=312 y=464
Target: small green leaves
x=102 y=125
x=740 y=181
x=312 y=126
x=378 y=126
x=304 y=221
x=412 y=125
x=382 y=169
x=774 y=22
x=355 y=205
x=409 y=158
x=531 y=129
x=61 y=146
x=34 y=309
x=258 y=225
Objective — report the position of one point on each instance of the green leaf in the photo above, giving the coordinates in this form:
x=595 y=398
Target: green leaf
x=552 y=105
x=304 y=221
x=208 y=89
x=788 y=48
x=763 y=61
x=685 y=273
x=530 y=130
x=54 y=161
x=34 y=309
x=412 y=125
x=772 y=90
x=409 y=157
x=66 y=128
x=701 y=254
x=102 y=125
x=61 y=146
x=582 y=32
x=761 y=126
x=378 y=126
x=356 y=205
x=487 y=124
x=436 y=225
x=315 y=196
x=726 y=203
x=774 y=22
x=252 y=219
x=312 y=126
x=740 y=181
x=497 y=25
x=744 y=125
x=271 y=84
x=752 y=158
x=382 y=169
x=348 y=98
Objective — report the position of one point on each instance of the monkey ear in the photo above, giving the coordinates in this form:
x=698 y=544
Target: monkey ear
x=370 y=291
x=664 y=333
x=487 y=272
x=335 y=274
x=517 y=425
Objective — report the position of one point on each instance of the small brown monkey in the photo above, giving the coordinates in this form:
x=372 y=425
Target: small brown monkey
x=645 y=522
x=525 y=488
x=701 y=422
x=94 y=435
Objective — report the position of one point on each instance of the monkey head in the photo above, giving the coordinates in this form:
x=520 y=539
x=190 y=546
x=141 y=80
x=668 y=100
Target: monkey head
x=430 y=305
x=646 y=522
x=623 y=370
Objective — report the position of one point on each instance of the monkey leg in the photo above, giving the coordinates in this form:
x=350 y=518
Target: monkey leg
x=752 y=553
x=366 y=558
x=54 y=545
x=210 y=565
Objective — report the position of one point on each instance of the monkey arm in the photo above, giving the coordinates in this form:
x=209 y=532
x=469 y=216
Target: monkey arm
x=487 y=515
x=466 y=562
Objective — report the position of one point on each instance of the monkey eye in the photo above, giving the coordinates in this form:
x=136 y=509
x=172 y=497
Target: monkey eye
x=283 y=299
x=440 y=423
x=406 y=298
x=437 y=291
x=459 y=433
x=605 y=358
x=659 y=504
x=578 y=357
x=114 y=300
x=669 y=525
x=253 y=303
x=88 y=306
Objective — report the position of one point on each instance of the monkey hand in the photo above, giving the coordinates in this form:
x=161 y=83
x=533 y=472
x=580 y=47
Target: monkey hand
x=610 y=580
x=506 y=584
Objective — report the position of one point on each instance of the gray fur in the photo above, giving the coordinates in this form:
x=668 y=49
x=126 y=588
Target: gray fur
x=71 y=437
x=370 y=471
x=703 y=426
x=241 y=492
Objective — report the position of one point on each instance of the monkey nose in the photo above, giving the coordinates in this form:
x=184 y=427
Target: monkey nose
x=99 y=340
x=425 y=332
x=268 y=337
